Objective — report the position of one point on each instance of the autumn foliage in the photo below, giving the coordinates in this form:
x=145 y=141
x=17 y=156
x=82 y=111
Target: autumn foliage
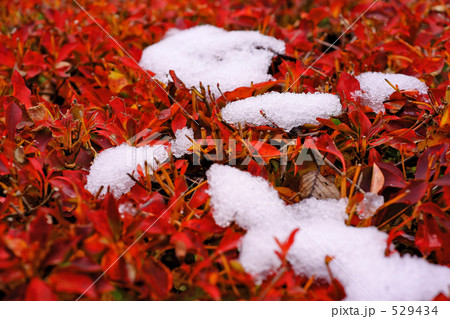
x=68 y=91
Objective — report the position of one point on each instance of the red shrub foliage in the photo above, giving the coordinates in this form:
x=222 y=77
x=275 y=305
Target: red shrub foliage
x=68 y=91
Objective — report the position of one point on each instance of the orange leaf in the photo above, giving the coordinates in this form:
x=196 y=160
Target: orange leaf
x=116 y=81
x=264 y=150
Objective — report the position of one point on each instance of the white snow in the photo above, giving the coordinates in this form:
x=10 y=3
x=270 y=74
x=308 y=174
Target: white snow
x=369 y=205
x=359 y=260
x=285 y=110
x=375 y=90
x=112 y=166
x=181 y=144
x=212 y=55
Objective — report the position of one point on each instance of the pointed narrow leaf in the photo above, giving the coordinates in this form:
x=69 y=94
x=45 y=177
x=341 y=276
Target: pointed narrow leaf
x=21 y=91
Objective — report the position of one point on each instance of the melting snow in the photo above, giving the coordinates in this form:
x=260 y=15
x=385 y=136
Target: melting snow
x=375 y=90
x=359 y=264
x=368 y=207
x=212 y=55
x=285 y=110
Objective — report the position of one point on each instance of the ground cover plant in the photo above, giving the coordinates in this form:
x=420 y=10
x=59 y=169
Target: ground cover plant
x=72 y=86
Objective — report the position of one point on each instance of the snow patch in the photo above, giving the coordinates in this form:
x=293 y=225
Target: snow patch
x=375 y=90
x=212 y=55
x=285 y=110
x=112 y=166
x=359 y=260
x=181 y=144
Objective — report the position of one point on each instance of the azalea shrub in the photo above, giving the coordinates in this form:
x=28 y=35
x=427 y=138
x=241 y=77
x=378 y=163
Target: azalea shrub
x=71 y=86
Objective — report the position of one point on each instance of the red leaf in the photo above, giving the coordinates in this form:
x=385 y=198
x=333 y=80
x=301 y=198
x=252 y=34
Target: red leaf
x=441 y=297
x=65 y=185
x=226 y=134
x=443 y=181
x=341 y=127
x=318 y=14
x=205 y=224
x=426 y=65
x=433 y=209
x=118 y=106
x=264 y=150
x=414 y=191
x=162 y=95
x=65 y=51
x=239 y=93
x=20 y=89
x=446 y=195
x=58 y=251
x=393 y=177
x=178 y=83
x=13 y=115
x=395 y=102
x=158 y=277
x=178 y=122
x=74 y=283
x=37 y=290
x=336 y=291
x=211 y=290
x=346 y=85
x=7 y=57
x=433 y=232
x=284 y=246
x=34 y=63
x=5 y=164
x=428 y=235
x=361 y=122
x=261 y=88
x=435 y=153
x=200 y=197
x=325 y=143
x=128 y=62
x=164 y=114
x=113 y=216
x=39 y=229
x=253 y=168
x=42 y=138
x=116 y=266
x=230 y=240
x=100 y=222
x=155 y=204
x=374 y=156
x=394 y=233
x=84 y=264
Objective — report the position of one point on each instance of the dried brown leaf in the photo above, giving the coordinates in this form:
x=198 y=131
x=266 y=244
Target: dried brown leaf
x=313 y=184
x=38 y=113
x=377 y=180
